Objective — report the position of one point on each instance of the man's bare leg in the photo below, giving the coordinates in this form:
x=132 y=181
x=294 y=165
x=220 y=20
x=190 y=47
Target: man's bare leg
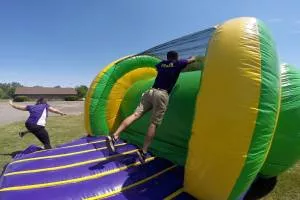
x=129 y=120
x=142 y=153
x=149 y=137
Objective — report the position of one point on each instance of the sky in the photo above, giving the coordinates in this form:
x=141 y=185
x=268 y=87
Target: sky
x=68 y=42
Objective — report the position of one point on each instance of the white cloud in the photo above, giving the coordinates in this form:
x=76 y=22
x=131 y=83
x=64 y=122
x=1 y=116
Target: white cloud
x=275 y=20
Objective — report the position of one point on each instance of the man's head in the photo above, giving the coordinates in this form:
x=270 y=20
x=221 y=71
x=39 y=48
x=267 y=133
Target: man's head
x=41 y=100
x=172 y=56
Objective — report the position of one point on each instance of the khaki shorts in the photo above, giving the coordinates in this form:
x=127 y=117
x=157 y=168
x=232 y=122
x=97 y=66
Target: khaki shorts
x=154 y=99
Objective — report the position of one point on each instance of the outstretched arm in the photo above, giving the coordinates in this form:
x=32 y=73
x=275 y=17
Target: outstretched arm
x=192 y=67
x=19 y=107
x=191 y=59
x=54 y=110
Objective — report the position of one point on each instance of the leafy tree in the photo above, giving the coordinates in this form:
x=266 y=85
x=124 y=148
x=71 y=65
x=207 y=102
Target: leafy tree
x=81 y=91
x=2 y=94
x=9 y=89
x=16 y=84
x=58 y=86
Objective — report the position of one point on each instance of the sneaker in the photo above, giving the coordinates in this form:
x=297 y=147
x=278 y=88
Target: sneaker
x=142 y=156
x=21 y=134
x=110 y=143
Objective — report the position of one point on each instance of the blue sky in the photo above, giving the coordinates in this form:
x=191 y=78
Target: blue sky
x=67 y=42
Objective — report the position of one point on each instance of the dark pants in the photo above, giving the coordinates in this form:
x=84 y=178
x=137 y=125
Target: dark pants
x=41 y=133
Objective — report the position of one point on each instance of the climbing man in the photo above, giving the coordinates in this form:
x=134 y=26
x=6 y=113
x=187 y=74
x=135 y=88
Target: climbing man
x=156 y=98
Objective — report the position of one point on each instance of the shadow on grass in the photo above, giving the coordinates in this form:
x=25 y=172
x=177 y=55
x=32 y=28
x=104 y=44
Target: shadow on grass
x=3 y=170
x=260 y=188
x=12 y=155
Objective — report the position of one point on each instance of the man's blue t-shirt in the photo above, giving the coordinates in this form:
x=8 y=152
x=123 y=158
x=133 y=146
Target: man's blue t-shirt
x=168 y=73
x=38 y=114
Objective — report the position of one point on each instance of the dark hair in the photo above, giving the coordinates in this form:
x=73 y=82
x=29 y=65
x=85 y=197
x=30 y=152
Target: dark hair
x=41 y=100
x=172 y=55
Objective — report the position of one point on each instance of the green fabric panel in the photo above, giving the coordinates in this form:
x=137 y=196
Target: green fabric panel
x=98 y=100
x=99 y=97
x=267 y=114
x=171 y=140
x=285 y=149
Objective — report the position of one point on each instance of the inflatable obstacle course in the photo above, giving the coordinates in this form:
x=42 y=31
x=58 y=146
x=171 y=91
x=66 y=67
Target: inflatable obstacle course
x=227 y=124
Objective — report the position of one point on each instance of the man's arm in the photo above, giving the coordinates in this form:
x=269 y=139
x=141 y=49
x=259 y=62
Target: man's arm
x=19 y=107
x=54 y=110
x=191 y=59
x=186 y=64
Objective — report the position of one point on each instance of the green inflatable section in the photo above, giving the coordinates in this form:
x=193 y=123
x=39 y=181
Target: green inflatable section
x=171 y=140
x=98 y=103
x=285 y=149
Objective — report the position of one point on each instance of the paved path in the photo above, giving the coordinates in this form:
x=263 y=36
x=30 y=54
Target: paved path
x=9 y=115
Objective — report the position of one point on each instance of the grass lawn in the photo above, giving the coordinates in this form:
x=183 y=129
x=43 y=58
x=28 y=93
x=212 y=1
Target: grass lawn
x=61 y=129
x=67 y=128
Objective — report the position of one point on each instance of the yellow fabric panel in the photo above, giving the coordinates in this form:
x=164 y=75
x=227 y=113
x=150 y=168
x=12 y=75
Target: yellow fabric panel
x=120 y=88
x=90 y=93
x=226 y=110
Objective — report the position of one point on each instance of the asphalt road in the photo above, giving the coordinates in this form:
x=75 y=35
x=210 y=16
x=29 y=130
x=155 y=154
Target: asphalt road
x=9 y=114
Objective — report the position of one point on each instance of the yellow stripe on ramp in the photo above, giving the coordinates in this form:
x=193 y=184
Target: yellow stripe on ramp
x=175 y=194
x=70 y=165
x=62 y=155
x=121 y=189
x=74 y=180
x=71 y=146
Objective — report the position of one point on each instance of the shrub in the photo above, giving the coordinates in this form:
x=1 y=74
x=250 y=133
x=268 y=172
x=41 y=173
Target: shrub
x=71 y=98
x=21 y=99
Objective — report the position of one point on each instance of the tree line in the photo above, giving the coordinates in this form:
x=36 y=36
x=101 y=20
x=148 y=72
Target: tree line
x=7 y=90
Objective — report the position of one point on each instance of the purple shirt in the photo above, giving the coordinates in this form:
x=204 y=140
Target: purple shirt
x=168 y=73
x=38 y=114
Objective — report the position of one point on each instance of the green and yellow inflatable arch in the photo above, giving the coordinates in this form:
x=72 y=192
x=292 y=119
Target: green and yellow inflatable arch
x=221 y=120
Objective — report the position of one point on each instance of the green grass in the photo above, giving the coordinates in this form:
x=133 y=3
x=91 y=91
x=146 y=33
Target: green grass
x=67 y=128
x=61 y=130
x=288 y=186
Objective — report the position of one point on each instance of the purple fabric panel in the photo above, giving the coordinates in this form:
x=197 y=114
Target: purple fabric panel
x=157 y=188
x=93 y=187
x=184 y=196
x=57 y=151
x=27 y=152
x=82 y=140
x=54 y=162
x=69 y=173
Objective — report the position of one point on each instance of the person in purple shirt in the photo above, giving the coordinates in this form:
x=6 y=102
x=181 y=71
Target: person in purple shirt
x=36 y=121
x=155 y=99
